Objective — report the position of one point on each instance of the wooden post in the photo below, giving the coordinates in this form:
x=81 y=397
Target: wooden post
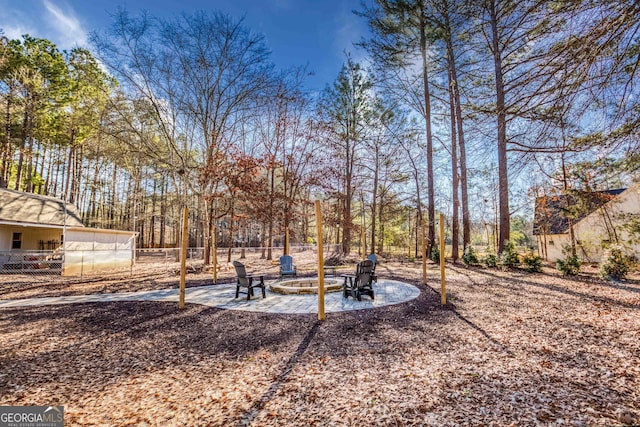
x=214 y=245
x=183 y=255
x=443 y=289
x=286 y=241
x=424 y=254
x=320 y=262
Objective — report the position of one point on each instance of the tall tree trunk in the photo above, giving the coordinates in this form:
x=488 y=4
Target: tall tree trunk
x=42 y=159
x=209 y=221
x=23 y=141
x=163 y=211
x=363 y=225
x=231 y=214
x=272 y=193
x=346 y=233
x=381 y=221
x=126 y=203
x=464 y=183
x=339 y=223
x=47 y=182
x=36 y=166
x=81 y=203
x=5 y=164
x=29 y=159
x=136 y=205
x=114 y=197
x=263 y=253
x=503 y=180
x=73 y=174
x=418 y=228
x=94 y=191
x=374 y=196
x=305 y=217
x=454 y=174
x=152 y=237
x=455 y=87
x=243 y=244
x=57 y=173
x=565 y=185
x=77 y=173
x=142 y=222
x=416 y=179
x=431 y=209
x=142 y=216
x=348 y=195
x=69 y=171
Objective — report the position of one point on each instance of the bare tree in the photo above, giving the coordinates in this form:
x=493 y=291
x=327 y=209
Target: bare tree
x=200 y=73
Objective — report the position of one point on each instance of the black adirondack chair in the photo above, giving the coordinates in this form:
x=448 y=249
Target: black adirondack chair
x=359 y=284
x=247 y=281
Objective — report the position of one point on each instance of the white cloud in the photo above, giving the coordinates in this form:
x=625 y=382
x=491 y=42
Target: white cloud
x=16 y=30
x=15 y=23
x=67 y=29
x=55 y=21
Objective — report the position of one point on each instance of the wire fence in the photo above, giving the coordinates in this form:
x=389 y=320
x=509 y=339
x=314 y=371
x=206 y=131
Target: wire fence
x=31 y=262
x=86 y=262
x=81 y=262
x=197 y=254
x=18 y=268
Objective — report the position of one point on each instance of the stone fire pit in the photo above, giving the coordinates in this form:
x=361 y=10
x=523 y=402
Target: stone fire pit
x=305 y=286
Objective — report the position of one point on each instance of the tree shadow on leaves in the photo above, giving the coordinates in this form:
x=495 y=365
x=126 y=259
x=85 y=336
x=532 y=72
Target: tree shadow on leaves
x=557 y=288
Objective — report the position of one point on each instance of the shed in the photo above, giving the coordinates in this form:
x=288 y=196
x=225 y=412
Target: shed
x=46 y=234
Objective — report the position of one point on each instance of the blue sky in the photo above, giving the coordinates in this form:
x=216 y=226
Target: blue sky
x=299 y=32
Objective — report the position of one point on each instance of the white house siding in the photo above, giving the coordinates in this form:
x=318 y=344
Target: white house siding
x=592 y=231
x=31 y=236
x=555 y=242
x=93 y=250
x=5 y=238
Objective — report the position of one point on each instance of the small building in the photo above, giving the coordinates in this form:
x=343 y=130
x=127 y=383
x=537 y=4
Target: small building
x=46 y=234
x=599 y=219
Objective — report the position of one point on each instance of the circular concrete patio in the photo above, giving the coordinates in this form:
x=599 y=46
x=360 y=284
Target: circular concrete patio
x=387 y=292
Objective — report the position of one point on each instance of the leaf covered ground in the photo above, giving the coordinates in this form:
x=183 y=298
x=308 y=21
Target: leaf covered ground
x=510 y=348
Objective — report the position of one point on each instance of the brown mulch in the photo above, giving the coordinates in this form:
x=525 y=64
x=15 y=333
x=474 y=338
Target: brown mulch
x=510 y=348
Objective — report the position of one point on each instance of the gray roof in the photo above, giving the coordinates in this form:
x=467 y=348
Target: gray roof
x=28 y=208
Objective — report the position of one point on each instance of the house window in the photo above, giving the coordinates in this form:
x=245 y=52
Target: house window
x=551 y=242
x=16 y=241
